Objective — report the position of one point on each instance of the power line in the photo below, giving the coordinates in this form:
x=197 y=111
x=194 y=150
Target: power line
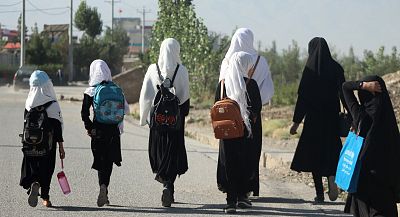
x=39 y=9
x=12 y=4
x=43 y=10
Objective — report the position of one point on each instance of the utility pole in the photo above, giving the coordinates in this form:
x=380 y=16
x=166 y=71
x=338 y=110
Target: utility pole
x=22 y=58
x=112 y=15
x=112 y=18
x=71 y=46
x=143 y=12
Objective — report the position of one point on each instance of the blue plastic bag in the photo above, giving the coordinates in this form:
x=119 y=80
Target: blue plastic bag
x=348 y=169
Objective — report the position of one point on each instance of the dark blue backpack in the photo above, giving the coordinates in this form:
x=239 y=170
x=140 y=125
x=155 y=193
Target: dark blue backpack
x=165 y=113
x=109 y=103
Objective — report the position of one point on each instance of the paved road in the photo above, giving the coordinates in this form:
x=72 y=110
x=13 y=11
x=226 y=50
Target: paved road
x=133 y=191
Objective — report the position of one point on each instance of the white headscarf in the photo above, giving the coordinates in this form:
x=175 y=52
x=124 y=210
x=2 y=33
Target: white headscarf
x=167 y=61
x=99 y=71
x=41 y=92
x=243 y=40
x=240 y=64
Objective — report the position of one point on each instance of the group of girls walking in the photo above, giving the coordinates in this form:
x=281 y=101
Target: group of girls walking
x=244 y=77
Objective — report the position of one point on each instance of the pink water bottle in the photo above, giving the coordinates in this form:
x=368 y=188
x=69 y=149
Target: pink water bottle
x=62 y=179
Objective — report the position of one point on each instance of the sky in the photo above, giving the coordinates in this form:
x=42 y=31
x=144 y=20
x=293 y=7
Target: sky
x=362 y=24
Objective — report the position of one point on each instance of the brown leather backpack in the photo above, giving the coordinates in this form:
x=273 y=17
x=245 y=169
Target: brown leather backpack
x=226 y=118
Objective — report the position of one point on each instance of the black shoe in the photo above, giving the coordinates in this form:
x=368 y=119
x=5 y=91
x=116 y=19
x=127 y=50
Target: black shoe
x=319 y=199
x=230 y=208
x=244 y=203
x=333 y=192
x=166 y=198
x=33 y=194
x=103 y=197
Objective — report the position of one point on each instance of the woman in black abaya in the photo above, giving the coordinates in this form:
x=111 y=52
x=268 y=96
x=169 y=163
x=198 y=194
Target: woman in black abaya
x=318 y=103
x=235 y=159
x=380 y=155
x=167 y=152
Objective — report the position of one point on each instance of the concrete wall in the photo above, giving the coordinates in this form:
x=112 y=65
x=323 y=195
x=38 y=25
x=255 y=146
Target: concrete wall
x=131 y=82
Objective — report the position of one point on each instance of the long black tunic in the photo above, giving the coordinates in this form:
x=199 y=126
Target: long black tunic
x=318 y=102
x=106 y=144
x=379 y=175
x=41 y=169
x=167 y=152
x=237 y=169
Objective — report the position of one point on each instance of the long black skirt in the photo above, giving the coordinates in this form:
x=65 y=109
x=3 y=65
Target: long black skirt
x=39 y=169
x=167 y=154
x=372 y=198
x=234 y=169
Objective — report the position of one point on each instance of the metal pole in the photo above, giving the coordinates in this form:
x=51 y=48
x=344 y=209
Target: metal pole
x=112 y=18
x=143 y=25
x=22 y=58
x=71 y=46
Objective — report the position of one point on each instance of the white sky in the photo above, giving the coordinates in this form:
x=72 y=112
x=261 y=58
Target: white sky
x=363 y=24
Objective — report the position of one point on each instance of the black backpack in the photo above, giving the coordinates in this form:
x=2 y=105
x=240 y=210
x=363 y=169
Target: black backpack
x=165 y=113
x=37 y=135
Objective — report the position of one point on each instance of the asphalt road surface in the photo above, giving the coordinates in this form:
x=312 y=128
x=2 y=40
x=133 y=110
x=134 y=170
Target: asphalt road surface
x=133 y=190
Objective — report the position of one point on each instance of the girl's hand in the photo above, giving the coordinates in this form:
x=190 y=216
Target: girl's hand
x=293 y=129
x=61 y=150
x=372 y=86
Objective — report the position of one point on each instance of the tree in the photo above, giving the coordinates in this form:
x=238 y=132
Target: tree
x=179 y=21
x=35 y=51
x=114 y=46
x=18 y=38
x=88 y=19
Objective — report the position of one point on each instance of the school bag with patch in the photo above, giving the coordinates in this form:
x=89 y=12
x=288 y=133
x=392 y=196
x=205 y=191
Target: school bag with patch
x=165 y=113
x=37 y=135
x=226 y=119
x=108 y=103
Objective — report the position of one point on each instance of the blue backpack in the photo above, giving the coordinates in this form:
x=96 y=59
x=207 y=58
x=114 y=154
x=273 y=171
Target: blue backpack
x=109 y=103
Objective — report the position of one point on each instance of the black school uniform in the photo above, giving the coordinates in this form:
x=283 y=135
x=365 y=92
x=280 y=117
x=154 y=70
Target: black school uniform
x=236 y=159
x=167 y=152
x=41 y=169
x=105 y=143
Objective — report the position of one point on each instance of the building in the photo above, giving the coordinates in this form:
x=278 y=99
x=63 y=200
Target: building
x=8 y=34
x=132 y=25
x=55 y=31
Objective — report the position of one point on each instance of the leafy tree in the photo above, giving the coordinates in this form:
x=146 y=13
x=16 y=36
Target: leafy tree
x=35 y=51
x=88 y=19
x=179 y=21
x=352 y=65
x=114 y=46
x=18 y=38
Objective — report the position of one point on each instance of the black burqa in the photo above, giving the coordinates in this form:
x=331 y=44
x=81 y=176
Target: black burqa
x=380 y=155
x=318 y=101
x=235 y=170
x=167 y=150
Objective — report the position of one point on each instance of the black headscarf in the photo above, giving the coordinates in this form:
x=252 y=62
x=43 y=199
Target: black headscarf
x=320 y=75
x=381 y=150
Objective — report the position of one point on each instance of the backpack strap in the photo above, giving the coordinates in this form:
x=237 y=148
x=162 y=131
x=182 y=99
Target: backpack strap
x=159 y=73
x=252 y=70
x=222 y=89
x=173 y=77
x=45 y=106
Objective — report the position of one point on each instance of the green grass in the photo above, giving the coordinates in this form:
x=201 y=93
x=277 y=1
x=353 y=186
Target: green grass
x=269 y=126
x=279 y=129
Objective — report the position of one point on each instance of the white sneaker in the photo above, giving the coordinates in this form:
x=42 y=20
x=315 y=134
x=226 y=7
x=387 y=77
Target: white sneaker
x=33 y=195
x=333 y=189
x=102 y=198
